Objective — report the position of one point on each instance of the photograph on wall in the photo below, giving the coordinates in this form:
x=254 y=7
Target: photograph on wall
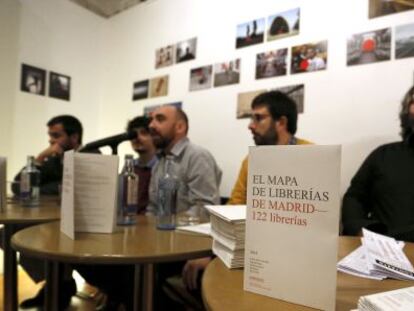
x=33 y=80
x=250 y=33
x=369 y=47
x=158 y=86
x=186 y=50
x=140 y=90
x=244 y=102
x=59 y=86
x=309 y=57
x=201 y=78
x=296 y=92
x=227 y=73
x=149 y=109
x=404 y=41
x=164 y=56
x=271 y=64
x=385 y=7
x=283 y=25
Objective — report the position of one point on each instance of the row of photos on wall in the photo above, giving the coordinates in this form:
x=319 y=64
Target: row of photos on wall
x=33 y=80
x=362 y=48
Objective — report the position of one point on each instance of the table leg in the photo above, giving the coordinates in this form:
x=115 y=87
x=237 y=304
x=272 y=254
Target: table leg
x=52 y=269
x=10 y=270
x=137 y=287
x=147 y=286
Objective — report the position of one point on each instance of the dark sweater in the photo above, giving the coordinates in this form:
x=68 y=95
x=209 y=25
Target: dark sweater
x=381 y=194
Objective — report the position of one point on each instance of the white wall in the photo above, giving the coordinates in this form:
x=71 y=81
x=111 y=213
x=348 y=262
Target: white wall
x=59 y=36
x=353 y=106
x=9 y=28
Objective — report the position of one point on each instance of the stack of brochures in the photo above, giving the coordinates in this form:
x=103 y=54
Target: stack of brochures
x=396 y=300
x=378 y=257
x=228 y=223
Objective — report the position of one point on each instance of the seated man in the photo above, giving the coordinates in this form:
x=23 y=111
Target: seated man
x=381 y=194
x=145 y=148
x=195 y=167
x=65 y=133
x=273 y=122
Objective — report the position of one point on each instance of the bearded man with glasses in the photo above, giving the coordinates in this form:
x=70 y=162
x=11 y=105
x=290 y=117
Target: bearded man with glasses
x=273 y=122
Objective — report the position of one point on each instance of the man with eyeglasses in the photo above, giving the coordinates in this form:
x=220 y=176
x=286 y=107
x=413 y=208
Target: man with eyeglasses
x=273 y=122
x=381 y=194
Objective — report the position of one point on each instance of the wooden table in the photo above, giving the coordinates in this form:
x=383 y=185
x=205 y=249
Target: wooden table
x=14 y=215
x=223 y=288
x=141 y=245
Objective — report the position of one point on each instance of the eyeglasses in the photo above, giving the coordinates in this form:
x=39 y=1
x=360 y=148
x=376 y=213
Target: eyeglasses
x=257 y=117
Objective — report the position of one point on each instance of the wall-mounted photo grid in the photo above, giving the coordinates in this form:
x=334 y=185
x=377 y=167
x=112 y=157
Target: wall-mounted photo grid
x=176 y=53
x=244 y=100
x=154 y=87
x=33 y=80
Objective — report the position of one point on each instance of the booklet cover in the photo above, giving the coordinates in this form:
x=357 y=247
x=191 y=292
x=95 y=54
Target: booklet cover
x=3 y=183
x=89 y=193
x=292 y=223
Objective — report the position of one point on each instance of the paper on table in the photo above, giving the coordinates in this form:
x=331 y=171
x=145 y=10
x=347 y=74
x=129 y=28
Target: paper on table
x=385 y=254
x=3 y=188
x=95 y=192
x=228 y=212
x=204 y=229
x=396 y=300
x=356 y=264
x=89 y=193
x=67 y=222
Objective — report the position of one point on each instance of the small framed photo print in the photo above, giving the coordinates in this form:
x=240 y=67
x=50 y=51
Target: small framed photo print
x=140 y=90
x=369 y=47
x=404 y=41
x=227 y=73
x=201 y=78
x=158 y=86
x=186 y=50
x=33 y=80
x=271 y=64
x=59 y=86
x=250 y=33
x=378 y=8
x=283 y=24
x=164 y=56
x=309 y=57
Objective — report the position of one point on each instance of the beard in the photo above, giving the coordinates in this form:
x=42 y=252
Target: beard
x=270 y=137
x=160 y=142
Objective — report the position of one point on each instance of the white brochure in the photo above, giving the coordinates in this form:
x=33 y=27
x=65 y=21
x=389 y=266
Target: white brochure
x=89 y=193
x=385 y=255
x=3 y=183
x=396 y=300
x=292 y=223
